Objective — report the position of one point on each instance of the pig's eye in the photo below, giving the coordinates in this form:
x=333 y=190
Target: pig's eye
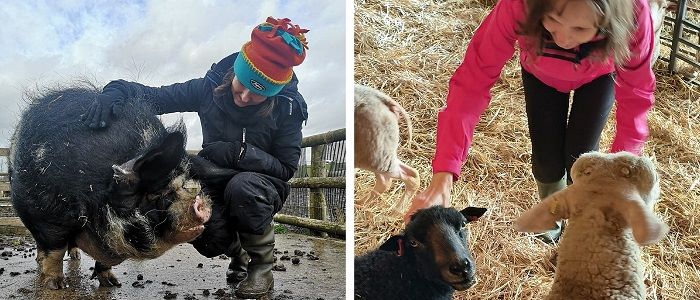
x=413 y=243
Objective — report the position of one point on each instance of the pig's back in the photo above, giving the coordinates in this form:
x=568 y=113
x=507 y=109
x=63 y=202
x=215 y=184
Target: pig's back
x=55 y=155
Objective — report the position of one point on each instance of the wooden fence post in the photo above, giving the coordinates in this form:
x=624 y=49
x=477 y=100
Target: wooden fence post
x=317 y=201
x=4 y=176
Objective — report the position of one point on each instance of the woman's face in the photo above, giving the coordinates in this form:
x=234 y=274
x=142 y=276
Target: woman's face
x=242 y=96
x=571 y=23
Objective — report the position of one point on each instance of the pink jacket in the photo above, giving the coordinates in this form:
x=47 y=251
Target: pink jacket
x=493 y=45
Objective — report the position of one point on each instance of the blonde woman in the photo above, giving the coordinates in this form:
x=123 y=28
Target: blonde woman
x=599 y=49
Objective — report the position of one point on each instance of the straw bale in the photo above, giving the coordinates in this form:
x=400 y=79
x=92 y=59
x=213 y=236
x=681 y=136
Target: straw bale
x=409 y=49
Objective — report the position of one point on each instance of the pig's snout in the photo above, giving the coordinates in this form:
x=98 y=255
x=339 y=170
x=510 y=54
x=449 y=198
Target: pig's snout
x=192 y=223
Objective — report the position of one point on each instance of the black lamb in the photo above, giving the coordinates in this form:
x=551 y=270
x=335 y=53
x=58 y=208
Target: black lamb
x=430 y=260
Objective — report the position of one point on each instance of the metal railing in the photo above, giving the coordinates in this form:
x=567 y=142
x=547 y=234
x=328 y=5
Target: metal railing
x=682 y=48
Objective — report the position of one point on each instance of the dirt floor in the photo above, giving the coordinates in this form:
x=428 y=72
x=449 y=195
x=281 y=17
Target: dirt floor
x=181 y=273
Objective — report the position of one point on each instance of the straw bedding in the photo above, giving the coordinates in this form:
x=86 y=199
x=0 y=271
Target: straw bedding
x=409 y=49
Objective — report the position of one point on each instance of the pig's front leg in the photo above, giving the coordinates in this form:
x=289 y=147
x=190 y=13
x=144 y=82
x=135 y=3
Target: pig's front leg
x=103 y=273
x=51 y=267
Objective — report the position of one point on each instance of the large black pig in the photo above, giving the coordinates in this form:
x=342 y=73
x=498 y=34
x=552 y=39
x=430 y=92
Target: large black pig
x=116 y=193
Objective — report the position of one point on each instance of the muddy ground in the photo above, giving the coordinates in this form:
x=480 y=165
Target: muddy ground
x=181 y=273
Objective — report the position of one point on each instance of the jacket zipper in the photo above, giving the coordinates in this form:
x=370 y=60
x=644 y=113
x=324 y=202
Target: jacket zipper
x=291 y=103
x=242 y=147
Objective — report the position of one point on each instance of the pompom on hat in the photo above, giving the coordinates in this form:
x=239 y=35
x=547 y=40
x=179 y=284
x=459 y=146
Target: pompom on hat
x=264 y=65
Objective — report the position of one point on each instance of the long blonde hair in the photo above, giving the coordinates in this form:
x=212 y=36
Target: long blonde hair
x=615 y=21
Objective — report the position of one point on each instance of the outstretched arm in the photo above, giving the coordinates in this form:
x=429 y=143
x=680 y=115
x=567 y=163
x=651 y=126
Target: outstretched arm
x=634 y=89
x=178 y=97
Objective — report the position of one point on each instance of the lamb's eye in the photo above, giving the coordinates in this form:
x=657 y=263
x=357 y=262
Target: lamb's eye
x=413 y=243
x=464 y=225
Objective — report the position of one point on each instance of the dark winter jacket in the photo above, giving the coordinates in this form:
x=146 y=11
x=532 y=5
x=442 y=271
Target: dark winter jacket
x=269 y=145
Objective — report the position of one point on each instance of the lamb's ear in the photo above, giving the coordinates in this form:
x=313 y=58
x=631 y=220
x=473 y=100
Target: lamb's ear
x=473 y=213
x=647 y=228
x=392 y=244
x=544 y=215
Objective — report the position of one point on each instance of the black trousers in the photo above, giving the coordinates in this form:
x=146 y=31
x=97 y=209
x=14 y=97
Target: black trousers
x=560 y=136
x=245 y=203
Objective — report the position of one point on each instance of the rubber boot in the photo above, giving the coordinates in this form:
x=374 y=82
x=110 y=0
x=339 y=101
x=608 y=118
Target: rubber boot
x=238 y=268
x=544 y=190
x=259 y=247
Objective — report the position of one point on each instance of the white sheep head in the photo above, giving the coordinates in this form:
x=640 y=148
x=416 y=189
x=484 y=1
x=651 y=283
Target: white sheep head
x=604 y=183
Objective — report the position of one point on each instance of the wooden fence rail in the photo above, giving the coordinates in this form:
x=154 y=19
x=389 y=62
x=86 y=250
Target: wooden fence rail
x=318 y=182
x=323 y=138
x=318 y=179
x=318 y=225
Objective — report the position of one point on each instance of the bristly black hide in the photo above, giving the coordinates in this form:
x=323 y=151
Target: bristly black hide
x=63 y=181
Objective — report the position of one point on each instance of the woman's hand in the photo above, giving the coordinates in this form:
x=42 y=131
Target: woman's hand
x=105 y=108
x=223 y=154
x=437 y=193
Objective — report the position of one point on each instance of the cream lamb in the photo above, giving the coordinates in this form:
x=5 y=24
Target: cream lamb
x=609 y=212
x=377 y=143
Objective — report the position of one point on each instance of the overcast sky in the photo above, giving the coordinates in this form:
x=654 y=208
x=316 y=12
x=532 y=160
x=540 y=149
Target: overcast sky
x=159 y=43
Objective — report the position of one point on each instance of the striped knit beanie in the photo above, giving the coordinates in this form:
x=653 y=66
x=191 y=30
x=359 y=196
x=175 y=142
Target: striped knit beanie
x=264 y=65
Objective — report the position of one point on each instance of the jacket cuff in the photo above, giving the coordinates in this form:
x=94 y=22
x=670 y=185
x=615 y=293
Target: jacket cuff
x=630 y=145
x=445 y=165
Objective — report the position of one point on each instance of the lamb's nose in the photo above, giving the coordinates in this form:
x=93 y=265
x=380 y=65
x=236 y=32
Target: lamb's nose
x=461 y=268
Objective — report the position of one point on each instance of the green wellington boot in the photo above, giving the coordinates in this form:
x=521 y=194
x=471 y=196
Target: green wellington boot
x=259 y=247
x=544 y=190
x=238 y=268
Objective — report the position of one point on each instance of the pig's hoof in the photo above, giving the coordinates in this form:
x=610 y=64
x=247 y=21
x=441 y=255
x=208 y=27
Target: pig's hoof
x=107 y=279
x=55 y=283
x=74 y=253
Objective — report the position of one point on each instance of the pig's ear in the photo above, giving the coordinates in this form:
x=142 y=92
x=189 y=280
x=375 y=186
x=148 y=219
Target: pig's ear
x=152 y=169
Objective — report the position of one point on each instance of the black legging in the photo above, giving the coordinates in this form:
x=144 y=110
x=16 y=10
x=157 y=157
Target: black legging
x=556 y=144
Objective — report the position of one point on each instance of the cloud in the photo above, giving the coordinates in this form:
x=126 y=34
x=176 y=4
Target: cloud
x=159 y=43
